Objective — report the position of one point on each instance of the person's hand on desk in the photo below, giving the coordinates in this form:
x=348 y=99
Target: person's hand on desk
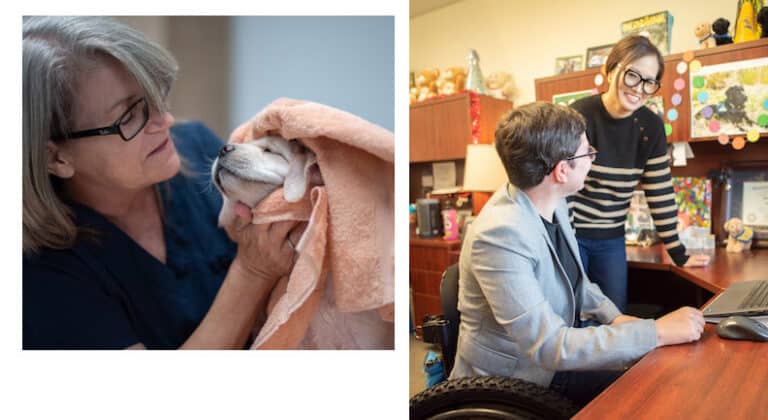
x=624 y=318
x=681 y=326
x=699 y=260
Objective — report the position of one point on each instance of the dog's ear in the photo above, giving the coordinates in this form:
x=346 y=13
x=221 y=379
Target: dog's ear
x=296 y=181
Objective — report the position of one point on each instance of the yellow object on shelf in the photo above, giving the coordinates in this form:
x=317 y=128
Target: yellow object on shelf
x=746 y=22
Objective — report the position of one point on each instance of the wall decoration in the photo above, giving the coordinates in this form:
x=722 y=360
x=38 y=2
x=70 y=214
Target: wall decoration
x=596 y=56
x=657 y=27
x=731 y=94
x=569 y=64
x=693 y=197
x=656 y=104
x=570 y=97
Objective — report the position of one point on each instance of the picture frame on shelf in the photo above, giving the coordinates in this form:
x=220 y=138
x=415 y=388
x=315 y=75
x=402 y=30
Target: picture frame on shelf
x=745 y=196
x=569 y=64
x=657 y=27
x=596 y=56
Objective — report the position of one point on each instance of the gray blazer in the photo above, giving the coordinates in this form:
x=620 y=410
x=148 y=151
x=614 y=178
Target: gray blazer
x=517 y=306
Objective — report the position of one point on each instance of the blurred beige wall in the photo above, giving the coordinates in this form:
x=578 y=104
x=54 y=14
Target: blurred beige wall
x=524 y=37
x=201 y=44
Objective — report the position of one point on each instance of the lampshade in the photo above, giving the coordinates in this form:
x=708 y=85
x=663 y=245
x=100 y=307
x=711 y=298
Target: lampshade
x=483 y=170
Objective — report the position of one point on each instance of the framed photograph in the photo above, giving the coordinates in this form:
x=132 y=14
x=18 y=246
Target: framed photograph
x=657 y=27
x=569 y=64
x=596 y=56
x=730 y=98
x=570 y=97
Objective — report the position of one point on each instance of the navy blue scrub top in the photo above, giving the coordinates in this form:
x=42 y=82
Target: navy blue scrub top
x=113 y=294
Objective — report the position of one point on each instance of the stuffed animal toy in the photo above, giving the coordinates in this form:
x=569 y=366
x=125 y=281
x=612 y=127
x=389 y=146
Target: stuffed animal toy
x=762 y=19
x=739 y=236
x=500 y=85
x=720 y=28
x=426 y=83
x=703 y=32
x=451 y=80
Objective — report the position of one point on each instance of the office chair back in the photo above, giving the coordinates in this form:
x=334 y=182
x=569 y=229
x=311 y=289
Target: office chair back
x=449 y=300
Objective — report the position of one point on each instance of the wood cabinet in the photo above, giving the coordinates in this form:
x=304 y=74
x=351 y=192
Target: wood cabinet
x=441 y=128
x=428 y=259
x=681 y=128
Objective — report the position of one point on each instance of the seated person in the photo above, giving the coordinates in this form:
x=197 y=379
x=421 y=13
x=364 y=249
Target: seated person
x=527 y=308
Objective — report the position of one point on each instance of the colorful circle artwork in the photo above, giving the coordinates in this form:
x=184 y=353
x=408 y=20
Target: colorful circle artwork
x=702 y=96
x=599 y=79
x=672 y=114
x=762 y=120
x=682 y=67
x=668 y=129
x=722 y=139
x=738 y=143
x=679 y=83
x=594 y=91
x=753 y=135
x=714 y=126
x=765 y=104
x=688 y=56
x=707 y=112
x=677 y=99
x=695 y=66
x=698 y=82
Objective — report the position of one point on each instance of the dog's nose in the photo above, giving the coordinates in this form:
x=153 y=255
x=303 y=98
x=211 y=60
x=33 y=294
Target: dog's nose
x=226 y=149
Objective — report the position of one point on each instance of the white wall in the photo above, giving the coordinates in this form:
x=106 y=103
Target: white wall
x=342 y=61
x=523 y=37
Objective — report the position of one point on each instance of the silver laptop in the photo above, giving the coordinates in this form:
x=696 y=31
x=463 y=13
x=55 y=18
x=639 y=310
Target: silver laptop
x=748 y=298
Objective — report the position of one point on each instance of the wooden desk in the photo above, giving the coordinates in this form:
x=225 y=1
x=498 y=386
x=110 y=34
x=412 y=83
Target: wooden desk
x=428 y=259
x=712 y=378
x=724 y=269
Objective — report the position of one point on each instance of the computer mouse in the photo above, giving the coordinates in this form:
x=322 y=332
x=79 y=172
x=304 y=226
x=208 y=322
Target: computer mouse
x=742 y=328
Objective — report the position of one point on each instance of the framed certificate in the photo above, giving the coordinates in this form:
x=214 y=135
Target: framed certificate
x=745 y=195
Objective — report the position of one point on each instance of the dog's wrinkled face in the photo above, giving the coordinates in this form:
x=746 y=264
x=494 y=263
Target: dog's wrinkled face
x=248 y=172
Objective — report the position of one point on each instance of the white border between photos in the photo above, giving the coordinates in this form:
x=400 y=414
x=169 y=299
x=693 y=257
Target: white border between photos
x=199 y=384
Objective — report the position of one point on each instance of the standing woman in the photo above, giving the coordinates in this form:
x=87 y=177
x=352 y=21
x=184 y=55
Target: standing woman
x=121 y=249
x=632 y=149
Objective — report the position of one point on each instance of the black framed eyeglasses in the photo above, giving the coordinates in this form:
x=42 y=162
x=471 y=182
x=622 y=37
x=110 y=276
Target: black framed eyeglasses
x=592 y=154
x=128 y=125
x=633 y=78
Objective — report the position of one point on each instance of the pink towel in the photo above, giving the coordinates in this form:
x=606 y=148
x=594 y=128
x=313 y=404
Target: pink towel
x=355 y=159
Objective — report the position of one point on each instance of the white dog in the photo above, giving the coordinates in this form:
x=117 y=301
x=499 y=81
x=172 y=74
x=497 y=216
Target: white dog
x=248 y=172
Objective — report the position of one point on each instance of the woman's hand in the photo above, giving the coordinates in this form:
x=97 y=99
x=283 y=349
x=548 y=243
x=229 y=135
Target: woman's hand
x=263 y=250
x=699 y=260
x=624 y=318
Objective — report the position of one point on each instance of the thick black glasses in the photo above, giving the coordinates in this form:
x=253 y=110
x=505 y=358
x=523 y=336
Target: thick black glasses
x=592 y=153
x=127 y=126
x=633 y=78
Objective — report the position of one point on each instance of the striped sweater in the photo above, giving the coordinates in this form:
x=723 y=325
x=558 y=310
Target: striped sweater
x=632 y=151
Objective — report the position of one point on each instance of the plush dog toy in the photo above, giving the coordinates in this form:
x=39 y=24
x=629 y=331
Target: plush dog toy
x=703 y=32
x=501 y=85
x=720 y=28
x=762 y=19
x=739 y=236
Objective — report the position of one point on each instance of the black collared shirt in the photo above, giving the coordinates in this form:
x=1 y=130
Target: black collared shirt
x=568 y=260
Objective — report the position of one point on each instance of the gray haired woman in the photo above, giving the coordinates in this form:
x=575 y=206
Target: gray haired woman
x=121 y=248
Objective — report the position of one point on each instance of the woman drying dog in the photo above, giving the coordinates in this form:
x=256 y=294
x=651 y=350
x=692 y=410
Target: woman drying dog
x=121 y=248
x=633 y=149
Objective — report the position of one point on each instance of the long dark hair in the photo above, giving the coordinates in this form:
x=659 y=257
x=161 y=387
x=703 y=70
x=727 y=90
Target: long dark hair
x=630 y=49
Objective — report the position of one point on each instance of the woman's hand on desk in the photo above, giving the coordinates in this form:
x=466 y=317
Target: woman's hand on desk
x=624 y=318
x=700 y=260
x=681 y=326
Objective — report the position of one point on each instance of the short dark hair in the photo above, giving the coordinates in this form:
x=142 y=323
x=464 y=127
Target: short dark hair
x=630 y=49
x=531 y=140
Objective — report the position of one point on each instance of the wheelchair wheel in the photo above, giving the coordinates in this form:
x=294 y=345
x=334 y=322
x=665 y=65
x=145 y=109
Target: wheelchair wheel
x=489 y=397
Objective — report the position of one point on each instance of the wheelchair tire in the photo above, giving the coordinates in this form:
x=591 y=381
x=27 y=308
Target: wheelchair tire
x=489 y=397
